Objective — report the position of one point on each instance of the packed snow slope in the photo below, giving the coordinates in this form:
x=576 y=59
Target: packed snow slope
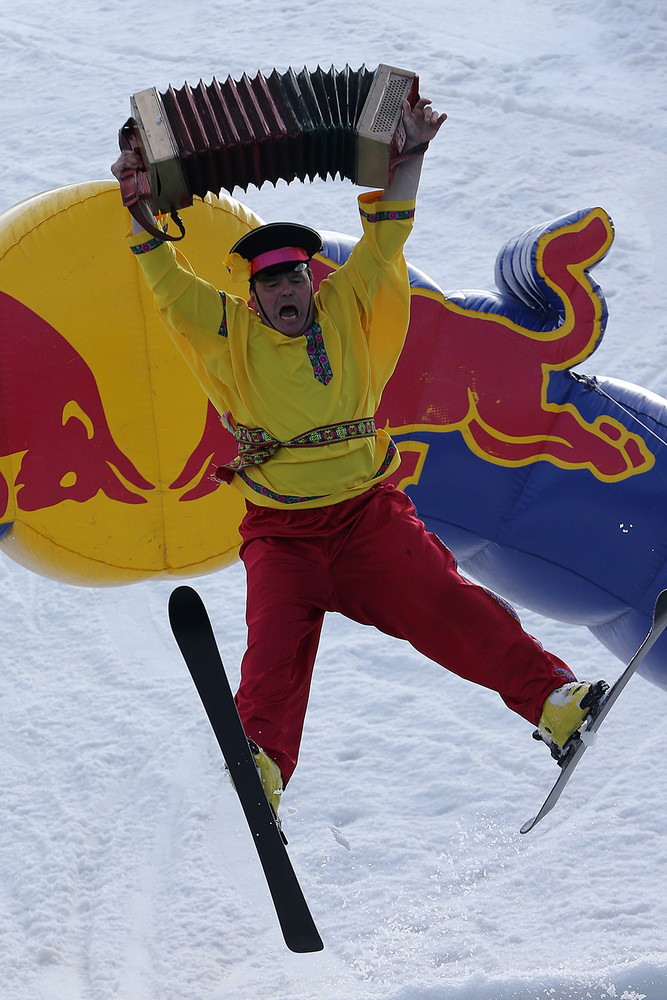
x=125 y=868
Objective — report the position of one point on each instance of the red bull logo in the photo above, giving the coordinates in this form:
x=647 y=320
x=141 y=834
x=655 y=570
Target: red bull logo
x=487 y=366
x=107 y=442
x=54 y=421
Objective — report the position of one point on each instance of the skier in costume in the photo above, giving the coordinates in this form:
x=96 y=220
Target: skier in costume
x=299 y=375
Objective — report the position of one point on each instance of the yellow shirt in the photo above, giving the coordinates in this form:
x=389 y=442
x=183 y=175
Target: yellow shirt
x=268 y=380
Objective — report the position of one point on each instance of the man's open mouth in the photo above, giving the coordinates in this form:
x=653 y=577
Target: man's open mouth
x=289 y=312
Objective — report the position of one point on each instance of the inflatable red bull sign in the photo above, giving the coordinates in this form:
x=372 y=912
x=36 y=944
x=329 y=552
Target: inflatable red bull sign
x=547 y=483
x=105 y=437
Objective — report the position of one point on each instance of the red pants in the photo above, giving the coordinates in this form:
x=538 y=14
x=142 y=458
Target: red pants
x=369 y=558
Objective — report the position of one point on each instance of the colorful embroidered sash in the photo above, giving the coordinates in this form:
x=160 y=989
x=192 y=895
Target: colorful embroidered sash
x=285 y=498
x=256 y=445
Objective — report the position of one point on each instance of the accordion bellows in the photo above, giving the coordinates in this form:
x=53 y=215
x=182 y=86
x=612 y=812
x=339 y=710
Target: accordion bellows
x=285 y=126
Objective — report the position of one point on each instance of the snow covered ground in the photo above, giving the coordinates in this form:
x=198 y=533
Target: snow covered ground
x=125 y=868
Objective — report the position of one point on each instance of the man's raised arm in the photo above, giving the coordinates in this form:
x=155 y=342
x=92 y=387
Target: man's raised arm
x=421 y=124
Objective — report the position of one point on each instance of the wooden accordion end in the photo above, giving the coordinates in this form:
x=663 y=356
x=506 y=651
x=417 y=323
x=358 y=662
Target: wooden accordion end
x=285 y=126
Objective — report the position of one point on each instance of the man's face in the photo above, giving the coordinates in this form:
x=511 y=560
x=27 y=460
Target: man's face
x=284 y=300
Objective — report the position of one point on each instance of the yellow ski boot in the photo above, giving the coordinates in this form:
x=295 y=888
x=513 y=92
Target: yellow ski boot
x=565 y=710
x=269 y=772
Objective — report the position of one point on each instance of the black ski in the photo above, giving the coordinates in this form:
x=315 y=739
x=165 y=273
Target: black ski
x=193 y=632
x=576 y=747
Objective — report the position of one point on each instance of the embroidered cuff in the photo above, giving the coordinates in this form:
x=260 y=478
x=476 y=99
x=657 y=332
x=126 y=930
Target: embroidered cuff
x=406 y=213
x=151 y=244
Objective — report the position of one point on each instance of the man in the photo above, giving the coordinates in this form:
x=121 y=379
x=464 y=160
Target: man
x=299 y=376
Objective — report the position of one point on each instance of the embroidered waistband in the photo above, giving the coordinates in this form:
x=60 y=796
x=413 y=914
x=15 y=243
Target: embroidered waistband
x=287 y=499
x=256 y=445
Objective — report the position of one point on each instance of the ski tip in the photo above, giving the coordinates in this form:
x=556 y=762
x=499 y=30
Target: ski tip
x=304 y=944
x=183 y=598
x=527 y=827
x=182 y=592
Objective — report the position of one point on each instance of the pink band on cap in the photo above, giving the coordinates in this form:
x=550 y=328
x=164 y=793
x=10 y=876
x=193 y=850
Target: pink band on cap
x=283 y=255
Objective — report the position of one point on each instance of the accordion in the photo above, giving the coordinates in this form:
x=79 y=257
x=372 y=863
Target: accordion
x=284 y=126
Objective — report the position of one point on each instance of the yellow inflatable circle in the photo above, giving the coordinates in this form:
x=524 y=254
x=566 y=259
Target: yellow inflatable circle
x=107 y=441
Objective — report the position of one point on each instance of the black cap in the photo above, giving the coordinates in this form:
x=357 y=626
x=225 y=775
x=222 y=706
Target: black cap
x=261 y=246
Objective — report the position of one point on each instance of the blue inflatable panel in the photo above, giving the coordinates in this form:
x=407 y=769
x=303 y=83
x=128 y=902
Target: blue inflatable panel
x=549 y=485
